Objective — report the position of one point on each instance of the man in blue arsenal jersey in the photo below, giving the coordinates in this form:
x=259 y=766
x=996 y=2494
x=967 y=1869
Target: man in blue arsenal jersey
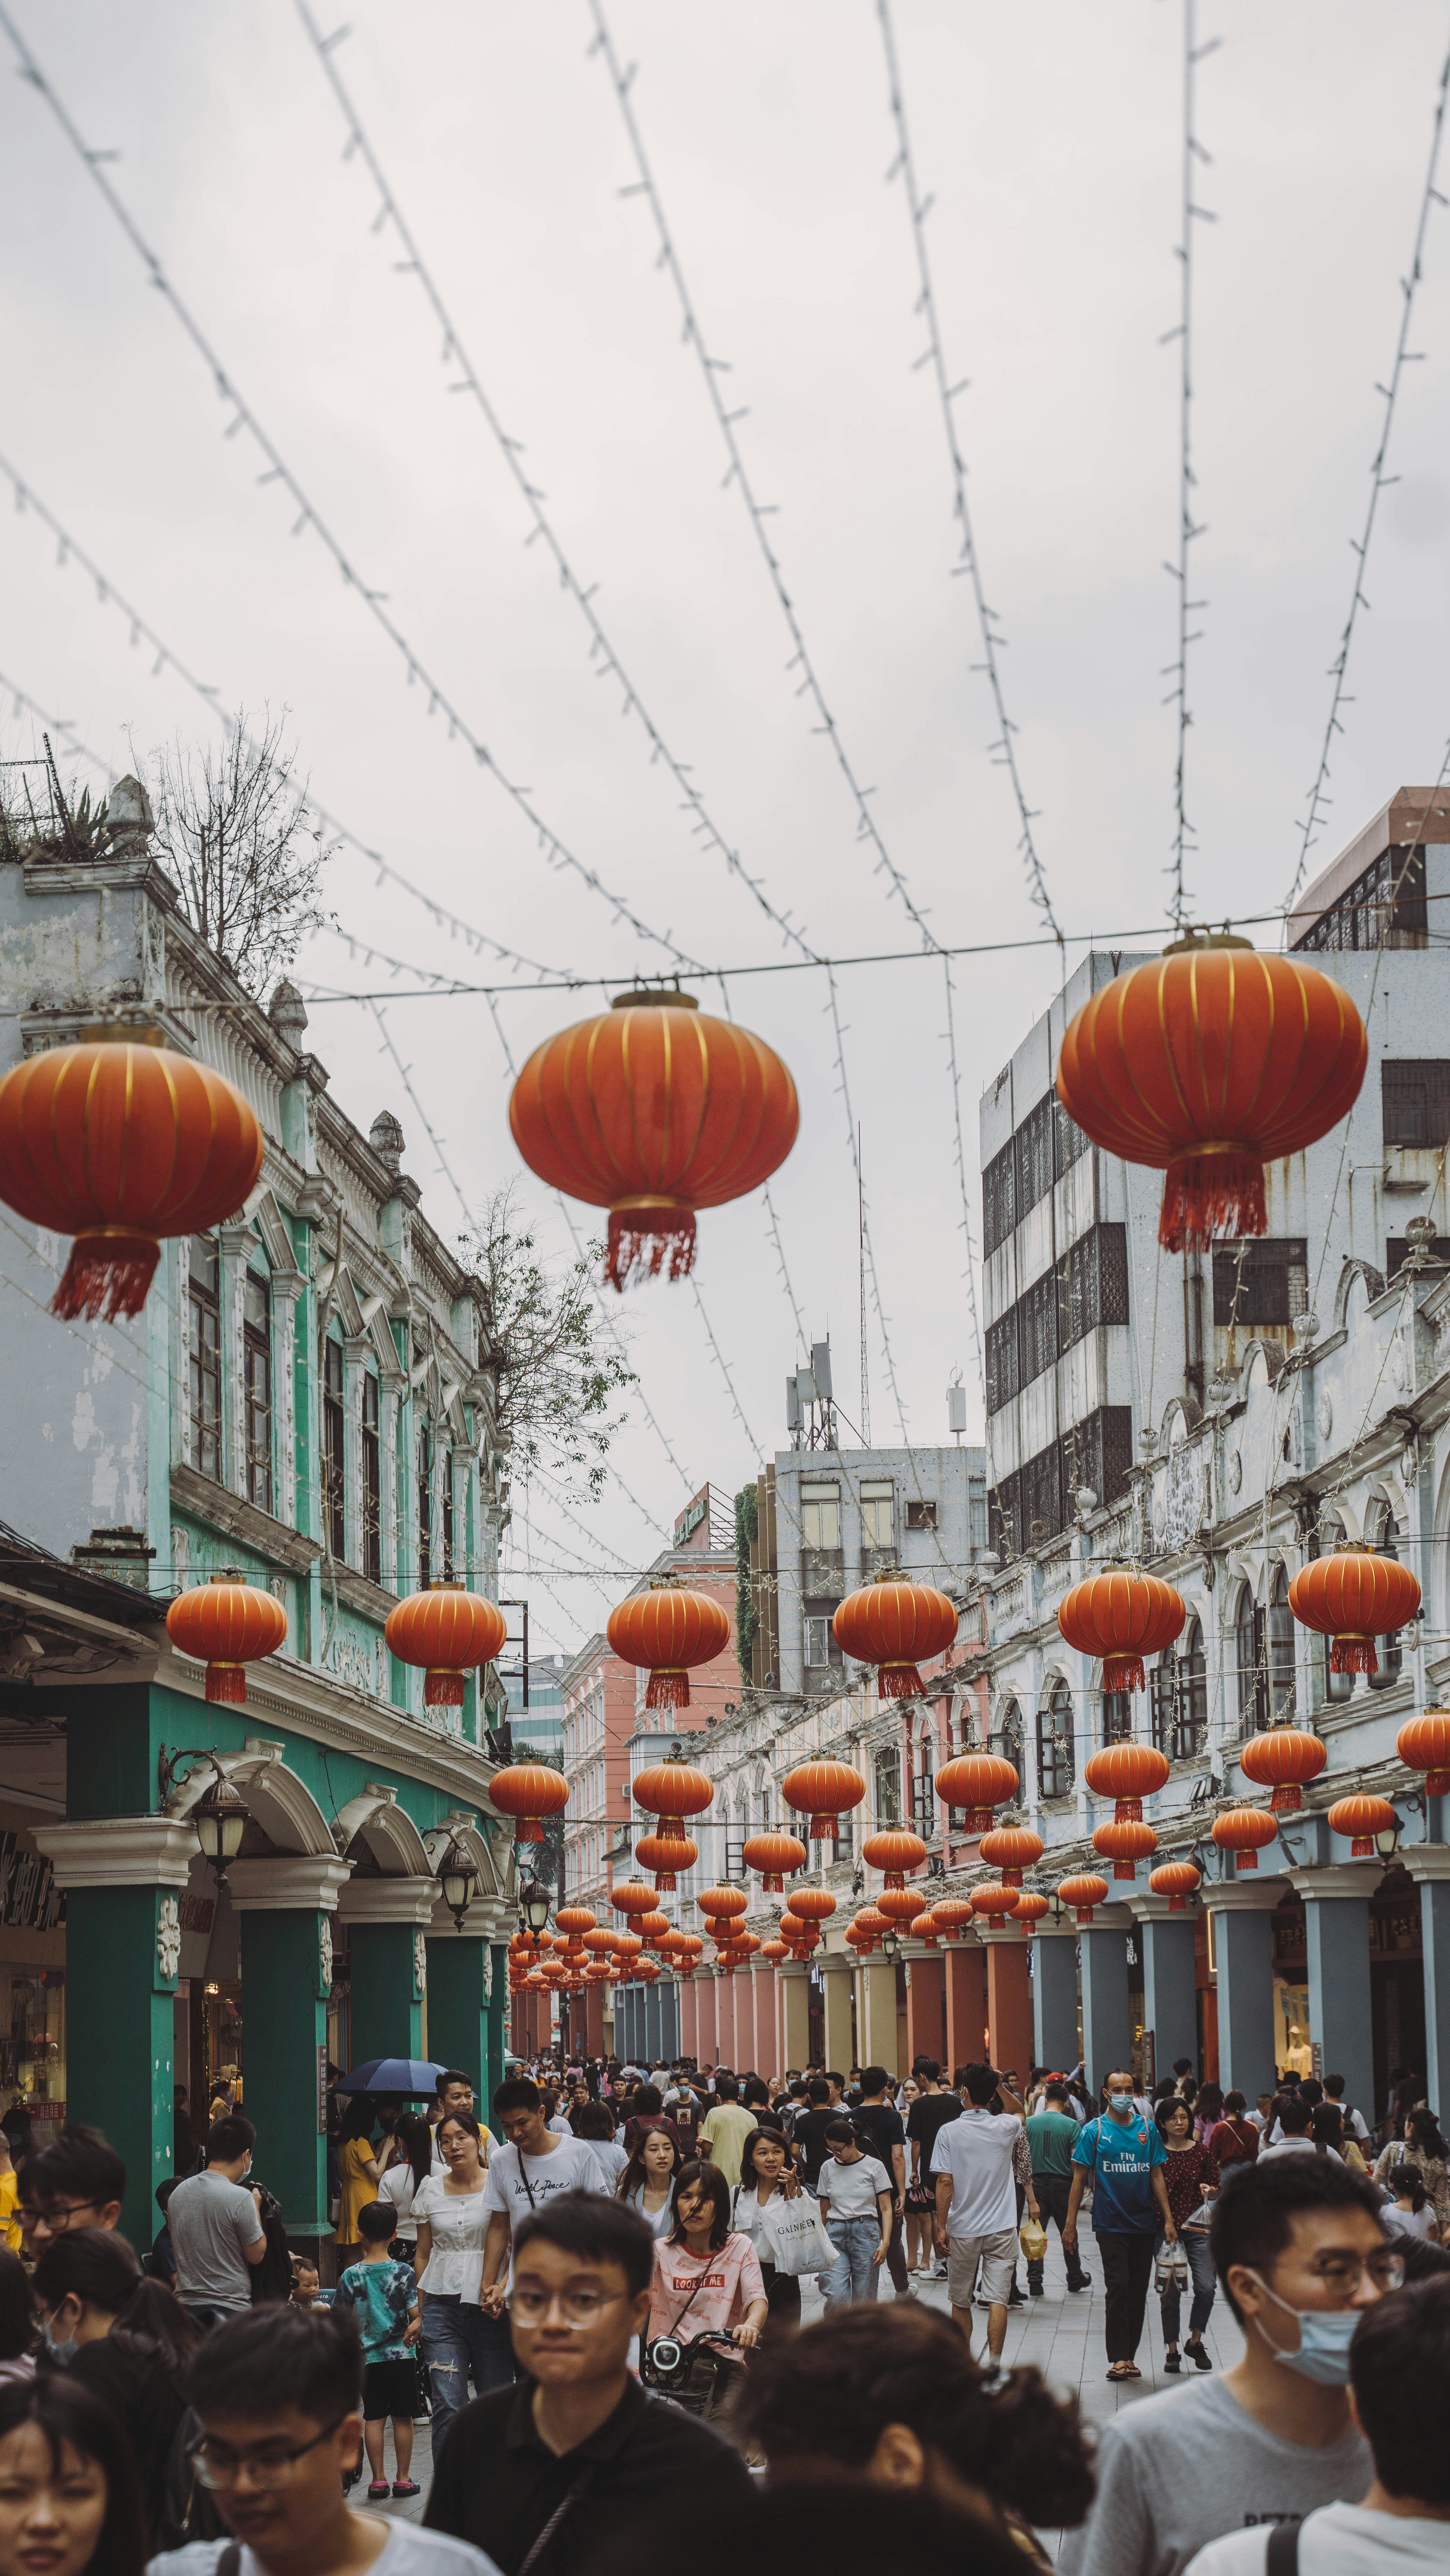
x=1122 y=2151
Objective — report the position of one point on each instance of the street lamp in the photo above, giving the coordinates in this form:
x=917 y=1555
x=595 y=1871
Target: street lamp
x=458 y=1879
x=1387 y=1843
x=534 y=1903
x=220 y=1818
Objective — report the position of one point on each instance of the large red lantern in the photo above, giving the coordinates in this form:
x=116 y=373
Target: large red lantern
x=902 y=1905
x=894 y=1852
x=723 y=1904
x=576 y=1920
x=823 y=1791
x=448 y=1631
x=1030 y=1910
x=896 y=1625
x=1244 y=1831
x=1354 y=1596
x=653 y=1109
x=1282 y=1759
x=653 y=1852
x=951 y=1915
x=979 y=1782
x=812 y=1905
x=1177 y=1880
x=119 y=1141
x=1206 y=1064
x=632 y=1897
x=226 y=1624
x=924 y=1930
x=1362 y=1818
x=1083 y=1893
x=995 y=1904
x=529 y=1791
x=1423 y=1744
x=1118 y=1617
x=667 y=1629
x=1010 y=1849
x=1128 y=1773
x=671 y=1790
x=774 y=1950
x=1124 y=1842
x=798 y=1935
x=773 y=1855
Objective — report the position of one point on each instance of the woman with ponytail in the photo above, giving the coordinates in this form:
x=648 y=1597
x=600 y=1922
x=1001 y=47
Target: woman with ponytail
x=125 y=2338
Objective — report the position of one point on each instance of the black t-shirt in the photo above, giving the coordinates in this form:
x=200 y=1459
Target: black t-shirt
x=928 y=2117
x=495 y=2483
x=145 y=2392
x=881 y=2130
x=808 y=2138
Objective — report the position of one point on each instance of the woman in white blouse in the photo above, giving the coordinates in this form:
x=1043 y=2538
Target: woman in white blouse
x=766 y=2175
x=458 y=2333
x=404 y=2180
x=648 y=2180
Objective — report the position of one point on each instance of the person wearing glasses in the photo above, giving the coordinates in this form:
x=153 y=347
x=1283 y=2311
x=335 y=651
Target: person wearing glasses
x=279 y=2394
x=577 y=2448
x=78 y=2182
x=1300 y=2253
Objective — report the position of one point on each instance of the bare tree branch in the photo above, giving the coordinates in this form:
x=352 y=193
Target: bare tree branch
x=235 y=834
x=556 y=1378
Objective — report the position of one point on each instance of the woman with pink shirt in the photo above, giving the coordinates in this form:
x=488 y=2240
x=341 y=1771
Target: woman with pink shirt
x=707 y=2277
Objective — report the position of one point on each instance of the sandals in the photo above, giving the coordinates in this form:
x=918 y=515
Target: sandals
x=406 y=2487
x=379 y=2487
x=1124 y=2370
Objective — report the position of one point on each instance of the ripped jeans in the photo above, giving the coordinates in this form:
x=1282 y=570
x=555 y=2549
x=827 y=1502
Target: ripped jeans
x=458 y=2338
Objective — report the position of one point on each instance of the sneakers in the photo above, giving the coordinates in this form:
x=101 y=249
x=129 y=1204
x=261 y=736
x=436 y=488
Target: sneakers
x=1084 y=2284
x=1172 y=2361
x=1035 y=2290
x=1198 y=2354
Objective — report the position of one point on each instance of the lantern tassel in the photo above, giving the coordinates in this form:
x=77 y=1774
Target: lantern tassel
x=1124 y=1673
x=668 y=1689
x=640 y=1239
x=1437 y=1784
x=443 y=1690
x=226 y=1684
x=900 y=1681
x=1353 y=1655
x=106 y=1277
x=1287 y=1799
x=1213 y=1196
x=1247 y=1860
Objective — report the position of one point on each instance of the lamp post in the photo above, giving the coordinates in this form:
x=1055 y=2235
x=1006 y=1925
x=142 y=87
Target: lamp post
x=534 y=1902
x=458 y=1880
x=220 y=1815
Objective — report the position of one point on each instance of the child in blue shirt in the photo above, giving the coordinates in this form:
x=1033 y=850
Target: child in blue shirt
x=384 y=2297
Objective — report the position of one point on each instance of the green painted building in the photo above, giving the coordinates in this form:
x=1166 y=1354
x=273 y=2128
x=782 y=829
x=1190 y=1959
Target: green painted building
x=307 y=1399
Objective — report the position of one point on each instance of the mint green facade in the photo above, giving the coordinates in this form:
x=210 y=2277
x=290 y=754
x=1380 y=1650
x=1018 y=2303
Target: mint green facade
x=459 y=2008
x=119 y=2038
x=286 y=2008
x=387 y=2001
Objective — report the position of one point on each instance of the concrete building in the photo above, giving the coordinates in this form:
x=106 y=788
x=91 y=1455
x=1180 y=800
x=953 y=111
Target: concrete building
x=304 y=1399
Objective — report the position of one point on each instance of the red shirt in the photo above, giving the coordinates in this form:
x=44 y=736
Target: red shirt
x=1234 y=2142
x=731 y=2279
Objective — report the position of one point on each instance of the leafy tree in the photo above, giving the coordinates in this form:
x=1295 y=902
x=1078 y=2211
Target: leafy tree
x=556 y=1377
x=747 y=1617
x=236 y=836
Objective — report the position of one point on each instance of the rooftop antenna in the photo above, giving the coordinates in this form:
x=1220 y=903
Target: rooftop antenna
x=861 y=1263
x=957 y=1407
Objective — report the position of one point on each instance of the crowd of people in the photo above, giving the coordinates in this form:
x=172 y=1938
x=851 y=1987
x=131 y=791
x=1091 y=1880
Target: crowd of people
x=596 y=2294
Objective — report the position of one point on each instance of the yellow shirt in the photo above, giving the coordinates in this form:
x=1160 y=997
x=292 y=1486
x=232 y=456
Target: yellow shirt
x=9 y=2196
x=725 y=2133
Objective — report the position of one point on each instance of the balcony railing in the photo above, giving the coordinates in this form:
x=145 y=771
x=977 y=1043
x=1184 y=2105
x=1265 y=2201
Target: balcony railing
x=823 y=1574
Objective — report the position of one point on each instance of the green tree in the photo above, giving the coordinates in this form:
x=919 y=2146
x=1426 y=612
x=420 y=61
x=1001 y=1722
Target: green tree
x=747 y=1617
x=557 y=1379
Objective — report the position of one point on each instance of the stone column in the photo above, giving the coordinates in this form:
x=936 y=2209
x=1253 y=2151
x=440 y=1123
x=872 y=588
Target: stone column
x=122 y=1877
x=1243 y=1957
x=690 y=2019
x=835 y=1966
x=1170 y=1979
x=496 y=1991
x=387 y=1920
x=725 y=2022
x=965 y=1966
x=1429 y=1867
x=1009 y=1998
x=1336 y=1919
x=708 y=2018
x=795 y=1979
x=877 y=2037
x=460 y=1973
x=1054 y=1995
x=925 y=2005
x=286 y=1907
x=1106 y=2028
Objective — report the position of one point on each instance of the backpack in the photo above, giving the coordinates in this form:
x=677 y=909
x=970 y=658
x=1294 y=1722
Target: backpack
x=188 y=2509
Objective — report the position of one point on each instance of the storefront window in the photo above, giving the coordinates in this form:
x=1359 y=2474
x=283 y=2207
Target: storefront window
x=32 y=2037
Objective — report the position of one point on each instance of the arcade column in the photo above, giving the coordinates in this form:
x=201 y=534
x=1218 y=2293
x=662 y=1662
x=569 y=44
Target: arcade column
x=1241 y=1952
x=1336 y=1920
x=835 y=1967
x=795 y=1981
x=1429 y=1866
x=286 y=1906
x=387 y=1932
x=1054 y=1995
x=1170 y=1979
x=925 y=2004
x=464 y=1998
x=1107 y=2029
x=964 y=1966
x=1009 y=1998
x=876 y=2037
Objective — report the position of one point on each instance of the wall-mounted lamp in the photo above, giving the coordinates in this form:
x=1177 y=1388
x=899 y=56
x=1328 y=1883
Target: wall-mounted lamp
x=458 y=1880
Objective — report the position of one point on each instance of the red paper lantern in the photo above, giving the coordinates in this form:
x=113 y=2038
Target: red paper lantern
x=1177 y=1880
x=627 y=1946
x=632 y=1897
x=869 y=1918
x=1423 y=1744
x=1117 y=1618
x=775 y=1950
x=653 y=1109
x=924 y=1929
x=860 y=1939
x=1244 y=1831
x=1124 y=1842
x=576 y=1920
x=1354 y=1596
x=448 y=1631
x=1282 y=1759
x=665 y=1856
x=671 y=1790
x=601 y=1943
x=896 y=1624
x=1010 y=1849
x=1030 y=1910
x=1128 y=1773
x=529 y=1791
x=651 y=1927
x=774 y=1855
x=893 y=1852
x=668 y=1629
x=226 y=1624
x=799 y=1935
x=901 y=1904
x=823 y=1791
x=811 y=1905
x=951 y=1915
x=724 y=1904
x=1207 y=1064
x=1362 y=1818
x=995 y=1904
x=1083 y=1893
x=119 y=1141
x=644 y=1972
x=979 y=1782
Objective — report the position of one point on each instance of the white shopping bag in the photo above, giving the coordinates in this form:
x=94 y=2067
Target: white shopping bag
x=797 y=2235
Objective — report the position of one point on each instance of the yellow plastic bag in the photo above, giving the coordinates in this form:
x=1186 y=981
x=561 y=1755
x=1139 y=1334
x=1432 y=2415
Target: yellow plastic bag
x=1032 y=2236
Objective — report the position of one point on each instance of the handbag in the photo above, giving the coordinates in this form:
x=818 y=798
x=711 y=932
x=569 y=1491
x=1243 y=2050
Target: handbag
x=796 y=2232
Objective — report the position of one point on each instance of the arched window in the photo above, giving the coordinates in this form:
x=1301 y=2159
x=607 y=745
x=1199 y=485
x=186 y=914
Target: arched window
x=1178 y=1684
x=1054 y=1743
x=1337 y=1686
x=1007 y=1740
x=1281 y=1653
x=1248 y=1646
x=1117 y=1716
x=1382 y=1531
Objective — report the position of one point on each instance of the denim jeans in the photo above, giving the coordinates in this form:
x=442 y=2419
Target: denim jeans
x=457 y=2338
x=1052 y=2198
x=1194 y=2241
x=853 y=2274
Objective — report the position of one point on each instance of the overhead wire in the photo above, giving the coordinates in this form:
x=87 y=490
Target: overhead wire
x=1190 y=527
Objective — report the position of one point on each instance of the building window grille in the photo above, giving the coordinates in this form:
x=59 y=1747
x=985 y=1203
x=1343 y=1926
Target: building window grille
x=1382 y=1533
x=1178 y=1686
x=1265 y=1281
x=1251 y=1645
x=332 y=1450
x=425 y=1508
x=1054 y=1743
x=372 y=1483
x=1384 y=908
x=923 y=1797
x=205 y=1355
x=1281 y=1652
x=1415 y=1100
x=1008 y=1742
x=1117 y=1717
x=877 y=1505
x=888 y=1786
x=820 y=1516
x=257 y=1387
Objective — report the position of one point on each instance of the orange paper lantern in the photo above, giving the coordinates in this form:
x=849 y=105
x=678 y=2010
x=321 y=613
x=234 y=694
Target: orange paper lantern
x=723 y=1904
x=775 y=1949
x=1423 y=1744
x=811 y=1904
x=528 y=1791
x=901 y=1904
x=448 y=1631
x=924 y=1929
x=1354 y=1596
x=896 y=1624
x=576 y=1920
x=894 y=1852
x=1030 y=1910
x=1127 y=1773
x=951 y=1915
x=870 y=1921
x=632 y=1897
x=979 y=1782
x=668 y=1629
x=823 y=1791
x=1244 y=1831
x=1177 y=1880
x=1083 y=1893
x=1124 y=1842
x=1362 y=1818
x=119 y=1141
x=653 y=1109
x=664 y=1857
x=226 y=1625
x=1206 y=1064
x=995 y=1904
x=1281 y=1759
x=774 y=1855
x=1010 y=1849
x=1117 y=1617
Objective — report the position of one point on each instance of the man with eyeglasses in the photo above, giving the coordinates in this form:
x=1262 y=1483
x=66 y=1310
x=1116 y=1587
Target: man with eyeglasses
x=1300 y=2249
x=577 y=2448
x=279 y=2394
x=78 y=2182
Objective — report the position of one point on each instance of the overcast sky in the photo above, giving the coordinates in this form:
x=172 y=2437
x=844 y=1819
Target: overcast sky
x=1050 y=139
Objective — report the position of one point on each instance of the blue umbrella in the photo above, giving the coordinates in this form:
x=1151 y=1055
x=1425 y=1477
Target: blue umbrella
x=415 y=2079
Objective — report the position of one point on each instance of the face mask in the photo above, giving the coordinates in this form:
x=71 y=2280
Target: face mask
x=1325 y=2335
x=62 y=2352
x=1120 y=2101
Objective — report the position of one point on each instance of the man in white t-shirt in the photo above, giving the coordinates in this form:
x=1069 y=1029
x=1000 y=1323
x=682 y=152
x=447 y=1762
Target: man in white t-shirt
x=1293 y=2138
x=976 y=2200
x=1399 y=2394
x=535 y=2163
x=1354 y=2126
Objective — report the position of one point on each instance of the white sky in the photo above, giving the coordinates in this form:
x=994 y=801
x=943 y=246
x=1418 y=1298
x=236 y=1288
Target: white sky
x=1050 y=138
